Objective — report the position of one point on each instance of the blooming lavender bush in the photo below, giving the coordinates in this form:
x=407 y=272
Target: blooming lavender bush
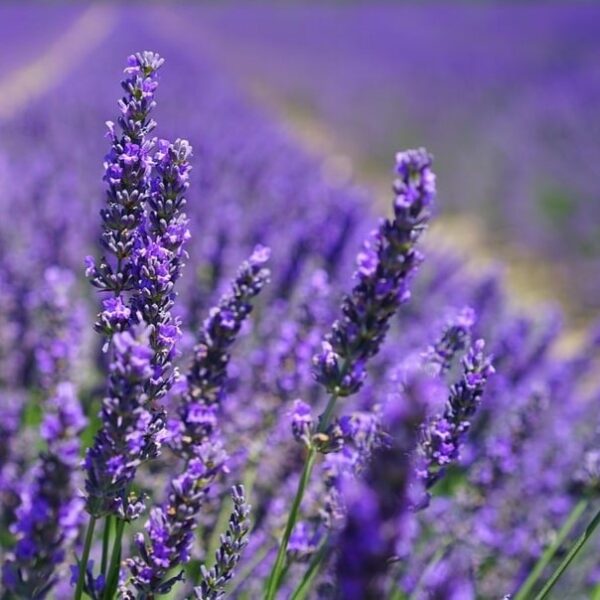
x=290 y=431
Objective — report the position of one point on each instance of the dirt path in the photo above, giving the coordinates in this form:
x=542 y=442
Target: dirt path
x=73 y=46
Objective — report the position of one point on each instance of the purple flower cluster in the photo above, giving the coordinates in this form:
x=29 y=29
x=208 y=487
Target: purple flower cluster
x=378 y=524
x=429 y=482
x=440 y=436
x=128 y=433
x=48 y=516
x=194 y=436
x=212 y=586
x=205 y=384
x=127 y=173
x=146 y=231
x=384 y=268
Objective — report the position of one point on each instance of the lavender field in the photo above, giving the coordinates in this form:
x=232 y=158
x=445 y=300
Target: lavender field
x=236 y=363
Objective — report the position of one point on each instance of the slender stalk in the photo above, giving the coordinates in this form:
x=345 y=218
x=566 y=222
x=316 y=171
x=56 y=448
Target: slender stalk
x=325 y=418
x=112 y=579
x=525 y=590
x=311 y=573
x=568 y=559
x=276 y=573
x=276 y=576
x=398 y=594
x=89 y=536
x=596 y=592
x=105 y=544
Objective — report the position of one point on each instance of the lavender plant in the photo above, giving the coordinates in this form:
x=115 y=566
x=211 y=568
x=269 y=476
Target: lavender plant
x=416 y=478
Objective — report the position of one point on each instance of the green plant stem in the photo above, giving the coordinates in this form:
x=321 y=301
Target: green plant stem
x=276 y=573
x=398 y=594
x=89 y=536
x=276 y=576
x=311 y=573
x=105 y=544
x=568 y=559
x=525 y=590
x=112 y=579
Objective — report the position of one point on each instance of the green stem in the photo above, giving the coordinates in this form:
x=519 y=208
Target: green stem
x=573 y=552
x=105 y=544
x=398 y=594
x=596 y=592
x=276 y=576
x=276 y=573
x=311 y=573
x=325 y=418
x=89 y=536
x=525 y=590
x=112 y=580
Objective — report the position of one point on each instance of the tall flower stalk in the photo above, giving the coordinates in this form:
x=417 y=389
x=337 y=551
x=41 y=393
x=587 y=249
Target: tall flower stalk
x=194 y=437
x=385 y=266
x=145 y=230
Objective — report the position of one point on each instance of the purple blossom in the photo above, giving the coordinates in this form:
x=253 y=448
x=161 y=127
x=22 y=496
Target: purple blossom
x=49 y=515
x=302 y=422
x=130 y=433
x=385 y=267
x=441 y=436
x=379 y=521
x=207 y=376
x=233 y=542
x=127 y=171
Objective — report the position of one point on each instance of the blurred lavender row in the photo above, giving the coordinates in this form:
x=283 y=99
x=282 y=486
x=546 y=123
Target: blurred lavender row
x=505 y=95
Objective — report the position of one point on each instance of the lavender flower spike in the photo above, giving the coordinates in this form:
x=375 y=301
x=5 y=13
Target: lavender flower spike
x=228 y=555
x=48 y=516
x=129 y=431
x=205 y=381
x=159 y=256
x=453 y=340
x=170 y=529
x=440 y=437
x=384 y=268
x=127 y=174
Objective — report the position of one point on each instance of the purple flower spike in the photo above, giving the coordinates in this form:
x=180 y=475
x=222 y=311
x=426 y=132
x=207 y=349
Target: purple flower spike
x=48 y=517
x=385 y=266
x=195 y=437
x=440 y=437
x=228 y=555
x=130 y=434
x=208 y=373
x=127 y=174
x=379 y=520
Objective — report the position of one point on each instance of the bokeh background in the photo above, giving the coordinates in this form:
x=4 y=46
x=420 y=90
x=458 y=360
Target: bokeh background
x=505 y=95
